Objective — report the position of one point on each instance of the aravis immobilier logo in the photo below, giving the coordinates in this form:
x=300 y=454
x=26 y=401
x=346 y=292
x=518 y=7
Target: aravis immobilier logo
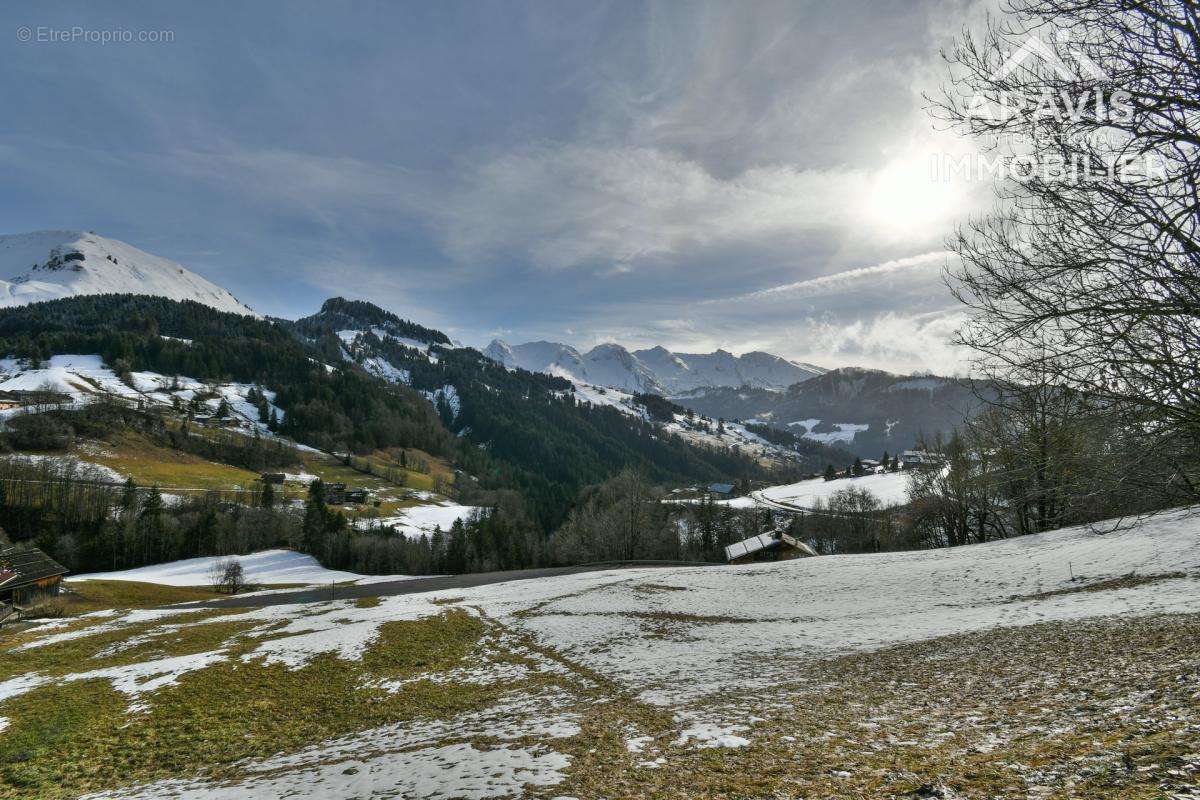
x=1058 y=81
x=1051 y=91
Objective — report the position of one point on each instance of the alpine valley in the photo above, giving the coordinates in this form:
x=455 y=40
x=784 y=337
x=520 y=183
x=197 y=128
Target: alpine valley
x=127 y=363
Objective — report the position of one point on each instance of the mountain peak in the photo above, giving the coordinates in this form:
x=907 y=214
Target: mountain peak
x=52 y=264
x=340 y=314
x=657 y=369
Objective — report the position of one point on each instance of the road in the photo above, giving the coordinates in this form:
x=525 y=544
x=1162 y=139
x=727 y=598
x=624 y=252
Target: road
x=317 y=594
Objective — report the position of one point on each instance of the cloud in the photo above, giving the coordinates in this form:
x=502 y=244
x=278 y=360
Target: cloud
x=603 y=171
x=891 y=341
x=563 y=205
x=842 y=282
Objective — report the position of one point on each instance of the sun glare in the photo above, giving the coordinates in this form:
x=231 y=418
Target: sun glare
x=911 y=198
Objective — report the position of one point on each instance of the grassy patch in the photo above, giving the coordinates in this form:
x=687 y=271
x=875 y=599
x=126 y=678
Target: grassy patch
x=382 y=462
x=83 y=597
x=1129 y=581
x=657 y=588
x=78 y=737
x=149 y=464
x=111 y=647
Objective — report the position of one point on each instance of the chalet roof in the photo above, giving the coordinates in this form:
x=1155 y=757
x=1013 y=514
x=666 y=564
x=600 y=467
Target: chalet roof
x=765 y=541
x=21 y=565
x=720 y=488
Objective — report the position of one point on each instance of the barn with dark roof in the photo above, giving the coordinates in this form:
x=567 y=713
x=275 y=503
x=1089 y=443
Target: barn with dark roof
x=25 y=573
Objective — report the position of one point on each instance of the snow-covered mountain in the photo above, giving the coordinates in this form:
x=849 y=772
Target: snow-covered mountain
x=549 y=357
x=48 y=265
x=683 y=372
x=656 y=369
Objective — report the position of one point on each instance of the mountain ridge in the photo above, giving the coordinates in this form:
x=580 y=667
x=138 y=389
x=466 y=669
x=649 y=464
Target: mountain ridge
x=656 y=370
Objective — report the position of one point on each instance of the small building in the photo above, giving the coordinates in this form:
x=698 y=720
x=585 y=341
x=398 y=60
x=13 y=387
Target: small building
x=27 y=573
x=338 y=494
x=720 y=488
x=772 y=546
x=920 y=458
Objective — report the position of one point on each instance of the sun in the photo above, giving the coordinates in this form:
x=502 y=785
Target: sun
x=912 y=197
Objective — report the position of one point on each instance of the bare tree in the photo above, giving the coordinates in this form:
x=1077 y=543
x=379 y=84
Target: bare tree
x=1087 y=277
x=227 y=576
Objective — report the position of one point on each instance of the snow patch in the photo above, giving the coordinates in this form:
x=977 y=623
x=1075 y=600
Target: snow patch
x=267 y=566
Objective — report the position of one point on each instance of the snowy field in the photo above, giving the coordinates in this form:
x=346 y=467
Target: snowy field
x=681 y=660
x=266 y=567
x=844 y=433
x=425 y=519
x=891 y=488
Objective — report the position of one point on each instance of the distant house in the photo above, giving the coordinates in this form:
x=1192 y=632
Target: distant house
x=720 y=488
x=919 y=458
x=773 y=546
x=338 y=494
x=27 y=573
x=274 y=477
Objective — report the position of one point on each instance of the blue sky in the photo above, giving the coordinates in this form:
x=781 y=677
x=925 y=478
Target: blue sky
x=746 y=176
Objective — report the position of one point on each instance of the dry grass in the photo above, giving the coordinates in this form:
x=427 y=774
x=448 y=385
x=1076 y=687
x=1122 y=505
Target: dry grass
x=149 y=464
x=72 y=738
x=82 y=597
x=1102 y=709
x=1085 y=710
x=1130 y=581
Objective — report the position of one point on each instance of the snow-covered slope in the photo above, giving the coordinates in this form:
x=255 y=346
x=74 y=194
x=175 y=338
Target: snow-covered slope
x=891 y=488
x=731 y=655
x=656 y=369
x=48 y=265
x=81 y=379
x=613 y=365
x=698 y=430
x=266 y=566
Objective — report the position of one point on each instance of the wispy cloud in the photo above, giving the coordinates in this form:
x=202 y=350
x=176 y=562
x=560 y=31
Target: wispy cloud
x=848 y=280
x=566 y=205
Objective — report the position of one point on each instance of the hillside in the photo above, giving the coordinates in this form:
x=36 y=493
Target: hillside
x=352 y=378
x=534 y=431
x=49 y=265
x=865 y=411
x=655 y=370
x=982 y=671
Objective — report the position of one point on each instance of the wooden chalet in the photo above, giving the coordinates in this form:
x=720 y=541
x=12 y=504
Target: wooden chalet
x=337 y=494
x=772 y=546
x=27 y=573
